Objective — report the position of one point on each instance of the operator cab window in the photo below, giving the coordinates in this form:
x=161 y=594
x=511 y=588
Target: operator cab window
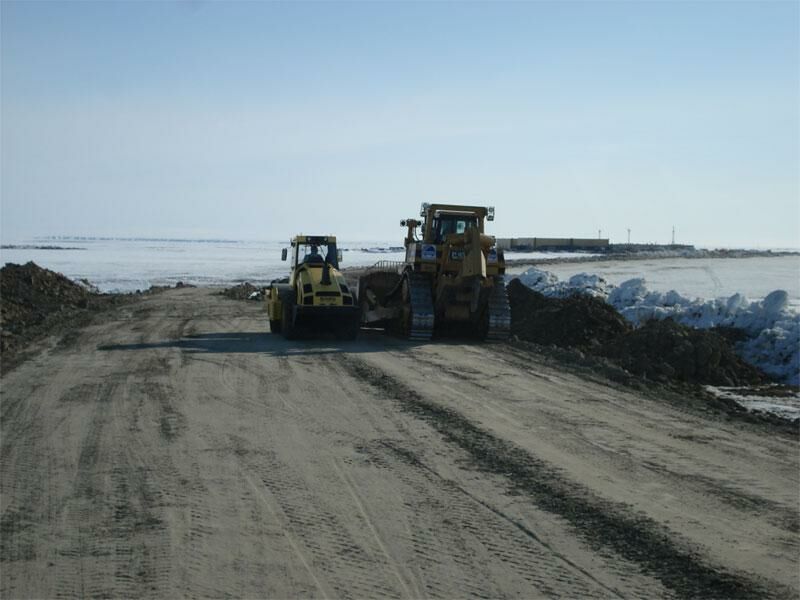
x=444 y=225
x=318 y=254
x=312 y=255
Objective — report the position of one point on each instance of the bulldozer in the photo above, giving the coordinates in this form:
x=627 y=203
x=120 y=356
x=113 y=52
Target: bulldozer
x=316 y=297
x=451 y=279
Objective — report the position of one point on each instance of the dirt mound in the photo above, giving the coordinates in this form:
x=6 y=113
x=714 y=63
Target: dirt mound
x=36 y=301
x=659 y=350
x=665 y=350
x=577 y=321
x=31 y=293
x=243 y=291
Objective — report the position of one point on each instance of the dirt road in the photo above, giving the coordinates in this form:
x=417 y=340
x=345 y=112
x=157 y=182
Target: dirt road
x=176 y=448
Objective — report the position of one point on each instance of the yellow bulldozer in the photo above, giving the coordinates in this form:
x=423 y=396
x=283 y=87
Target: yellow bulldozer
x=316 y=297
x=451 y=279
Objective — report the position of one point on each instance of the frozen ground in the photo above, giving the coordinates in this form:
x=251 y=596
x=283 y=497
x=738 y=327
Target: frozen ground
x=128 y=265
x=786 y=407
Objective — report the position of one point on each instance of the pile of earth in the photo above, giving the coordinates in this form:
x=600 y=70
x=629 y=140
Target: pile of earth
x=243 y=291
x=157 y=289
x=577 y=321
x=666 y=350
x=36 y=301
x=659 y=350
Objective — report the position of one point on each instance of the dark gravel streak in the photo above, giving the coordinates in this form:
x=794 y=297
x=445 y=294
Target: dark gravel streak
x=603 y=524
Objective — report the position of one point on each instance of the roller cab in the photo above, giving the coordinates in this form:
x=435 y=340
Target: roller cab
x=317 y=298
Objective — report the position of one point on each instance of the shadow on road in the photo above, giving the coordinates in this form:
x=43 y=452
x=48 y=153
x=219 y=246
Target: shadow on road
x=265 y=343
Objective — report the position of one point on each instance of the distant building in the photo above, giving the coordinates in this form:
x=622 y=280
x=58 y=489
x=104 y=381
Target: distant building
x=533 y=243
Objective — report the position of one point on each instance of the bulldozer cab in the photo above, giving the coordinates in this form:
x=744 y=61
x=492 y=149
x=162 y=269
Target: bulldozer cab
x=451 y=277
x=445 y=223
x=442 y=220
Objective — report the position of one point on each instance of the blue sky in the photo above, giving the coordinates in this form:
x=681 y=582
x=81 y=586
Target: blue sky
x=261 y=120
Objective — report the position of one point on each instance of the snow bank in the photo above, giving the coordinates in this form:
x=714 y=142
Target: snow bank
x=773 y=329
x=86 y=285
x=548 y=284
x=787 y=407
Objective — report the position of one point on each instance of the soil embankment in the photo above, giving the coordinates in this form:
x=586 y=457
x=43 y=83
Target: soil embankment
x=662 y=351
x=575 y=321
x=35 y=302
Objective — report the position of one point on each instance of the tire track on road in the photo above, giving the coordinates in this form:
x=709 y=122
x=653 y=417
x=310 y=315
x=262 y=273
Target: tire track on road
x=84 y=565
x=274 y=512
x=451 y=524
x=601 y=523
x=477 y=554
x=351 y=488
x=348 y=566
x=505 y=553
x=728 y=487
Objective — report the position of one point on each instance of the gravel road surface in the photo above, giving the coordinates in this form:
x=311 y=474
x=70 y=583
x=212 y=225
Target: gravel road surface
x=176 y=448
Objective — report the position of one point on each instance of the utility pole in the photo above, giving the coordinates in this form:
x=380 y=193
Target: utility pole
x=629 y=236
x=673 y=235
x=599 y=234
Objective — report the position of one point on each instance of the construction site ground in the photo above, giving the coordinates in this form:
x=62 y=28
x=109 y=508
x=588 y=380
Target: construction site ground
x=173 y=447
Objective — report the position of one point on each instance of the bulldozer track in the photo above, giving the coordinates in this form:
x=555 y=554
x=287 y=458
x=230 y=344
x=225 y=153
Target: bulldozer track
x=421 y=304
x=499 y=312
